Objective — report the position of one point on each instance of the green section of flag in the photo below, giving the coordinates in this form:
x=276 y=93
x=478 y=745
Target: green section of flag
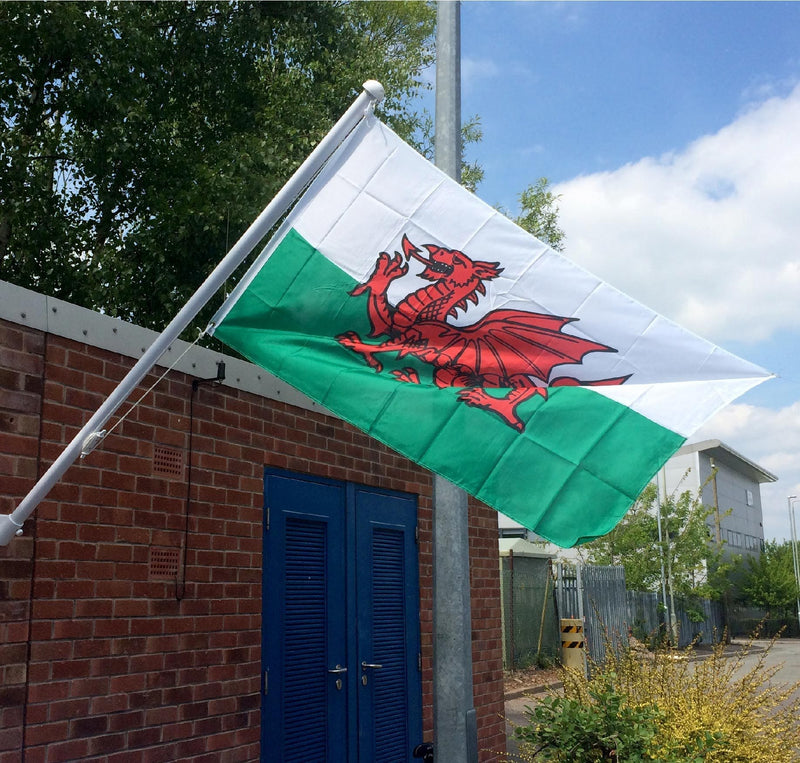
x=570 y=476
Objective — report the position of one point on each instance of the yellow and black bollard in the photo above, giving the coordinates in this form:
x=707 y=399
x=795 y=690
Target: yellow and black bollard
x=573 y=644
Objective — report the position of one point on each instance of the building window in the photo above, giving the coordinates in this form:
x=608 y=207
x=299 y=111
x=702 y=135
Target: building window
x=749 y=497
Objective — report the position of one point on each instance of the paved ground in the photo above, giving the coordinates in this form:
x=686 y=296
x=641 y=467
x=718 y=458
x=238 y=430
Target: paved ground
x=784 y=653
x=516 y=702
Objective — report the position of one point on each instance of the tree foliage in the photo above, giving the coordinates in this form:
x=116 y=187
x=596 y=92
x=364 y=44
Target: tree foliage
x=539 y=214
x=683 y=548
x=768 y=580
x=424 y=140
x=623 y=546
x=139 y=140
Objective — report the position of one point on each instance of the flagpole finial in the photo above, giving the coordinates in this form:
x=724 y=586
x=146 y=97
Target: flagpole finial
x=375 y=89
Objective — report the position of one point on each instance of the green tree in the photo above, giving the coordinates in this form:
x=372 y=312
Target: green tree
x=140 y=139
x=424 y=141
x=539 y=214
x=768 y=580
x=683 y=548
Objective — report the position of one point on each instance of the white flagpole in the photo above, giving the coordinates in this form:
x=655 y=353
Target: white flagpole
x=90 y=435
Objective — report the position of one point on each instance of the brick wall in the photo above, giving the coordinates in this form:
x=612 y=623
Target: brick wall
x=21 y=373
x=111 y=651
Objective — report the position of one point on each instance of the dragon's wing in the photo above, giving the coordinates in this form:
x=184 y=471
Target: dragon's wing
x=508 y=343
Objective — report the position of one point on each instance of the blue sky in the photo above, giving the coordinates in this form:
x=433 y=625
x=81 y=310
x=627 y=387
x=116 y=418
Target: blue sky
x=671 y=130
x=574 y=88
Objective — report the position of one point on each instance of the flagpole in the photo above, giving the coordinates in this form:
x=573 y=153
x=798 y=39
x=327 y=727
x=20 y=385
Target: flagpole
x=91 y=434
x=454 y=720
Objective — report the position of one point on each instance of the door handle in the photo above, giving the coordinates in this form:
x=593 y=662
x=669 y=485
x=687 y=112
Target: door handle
x=365 y=665
x=337 y=669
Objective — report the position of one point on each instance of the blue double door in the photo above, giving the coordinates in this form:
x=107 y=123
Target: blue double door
x=340 y=644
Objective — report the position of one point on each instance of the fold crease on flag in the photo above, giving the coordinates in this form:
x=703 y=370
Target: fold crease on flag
x=408 y=307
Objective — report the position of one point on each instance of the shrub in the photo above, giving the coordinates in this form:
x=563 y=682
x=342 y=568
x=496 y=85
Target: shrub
x=605 y=728
x=668 y=708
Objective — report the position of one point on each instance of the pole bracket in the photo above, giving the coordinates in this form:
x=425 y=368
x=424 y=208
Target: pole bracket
x=91 y=442
x=8 y=529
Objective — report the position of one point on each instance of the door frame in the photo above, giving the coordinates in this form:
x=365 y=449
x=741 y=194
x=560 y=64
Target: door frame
x=351 y=623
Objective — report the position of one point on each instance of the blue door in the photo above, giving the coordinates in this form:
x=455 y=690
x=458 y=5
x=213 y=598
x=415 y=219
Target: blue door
x=340 y=643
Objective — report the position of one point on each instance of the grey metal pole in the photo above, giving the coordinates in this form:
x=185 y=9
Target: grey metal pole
x=795 y=561
x=660 y=497
x=454 y=720
x=11 y=524
x=581 y=612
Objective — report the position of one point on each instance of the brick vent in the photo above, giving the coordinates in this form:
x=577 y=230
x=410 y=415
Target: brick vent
x=167 y=462
x=164 y=562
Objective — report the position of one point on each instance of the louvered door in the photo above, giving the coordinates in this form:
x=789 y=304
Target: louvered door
x=386 y=587
x=304 y=714
x=340 y=622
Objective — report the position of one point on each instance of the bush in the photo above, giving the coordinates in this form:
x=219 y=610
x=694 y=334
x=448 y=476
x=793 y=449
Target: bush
x=668 y=708
x=605 y=728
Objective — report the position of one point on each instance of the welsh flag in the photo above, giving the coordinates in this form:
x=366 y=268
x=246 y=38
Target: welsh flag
x=408 y=307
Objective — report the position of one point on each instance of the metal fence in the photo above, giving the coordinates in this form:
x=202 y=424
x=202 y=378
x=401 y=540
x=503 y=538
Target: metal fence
x=530 y=625
x=598 y=596
x=537 y=594
x=646 y=621
x=747 y=621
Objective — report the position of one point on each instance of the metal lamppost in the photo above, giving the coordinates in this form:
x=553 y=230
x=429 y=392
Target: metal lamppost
x=793 y=528
x=455 y=725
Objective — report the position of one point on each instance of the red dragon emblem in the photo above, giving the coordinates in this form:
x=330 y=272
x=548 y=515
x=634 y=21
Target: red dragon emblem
x=513 y=349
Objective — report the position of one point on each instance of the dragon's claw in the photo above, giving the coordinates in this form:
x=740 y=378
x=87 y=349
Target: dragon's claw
x=407 y=375
x=352 y=341
x=348 y=339
x=396 y=267
x=502 y=406
x=388 y=268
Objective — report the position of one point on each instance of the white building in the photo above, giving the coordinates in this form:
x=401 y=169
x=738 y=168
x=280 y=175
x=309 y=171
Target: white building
x=734 y=493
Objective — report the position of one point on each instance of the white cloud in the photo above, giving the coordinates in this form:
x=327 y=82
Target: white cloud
x=483 y=72
x=474 y=70
x=770 y=438
x=709 y=236
x=762 y=87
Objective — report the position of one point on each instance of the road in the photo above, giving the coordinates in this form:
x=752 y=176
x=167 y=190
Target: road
x=785 y=653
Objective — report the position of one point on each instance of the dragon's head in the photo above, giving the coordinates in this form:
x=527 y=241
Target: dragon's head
x=451 y=265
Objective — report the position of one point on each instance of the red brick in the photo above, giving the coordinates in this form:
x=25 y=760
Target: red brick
x=103 y=745
x=58 y=530
x=106 y=628
x=125 y=721
x=109 y=703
